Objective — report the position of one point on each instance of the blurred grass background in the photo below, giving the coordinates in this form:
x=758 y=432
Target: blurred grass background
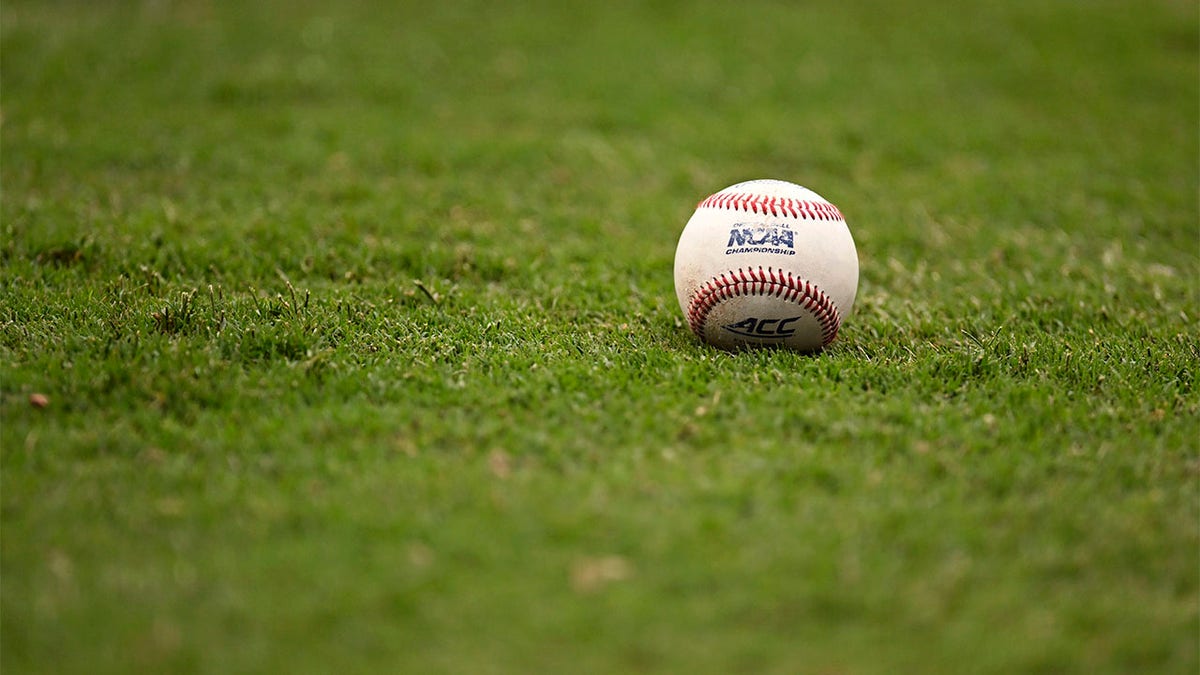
x=356 y=327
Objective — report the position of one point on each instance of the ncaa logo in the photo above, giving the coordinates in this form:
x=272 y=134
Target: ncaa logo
x=761 y=240
x=763 y=328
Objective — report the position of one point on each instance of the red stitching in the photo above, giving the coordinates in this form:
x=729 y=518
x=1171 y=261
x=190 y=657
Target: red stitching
x=774 y=205
x=758 y=282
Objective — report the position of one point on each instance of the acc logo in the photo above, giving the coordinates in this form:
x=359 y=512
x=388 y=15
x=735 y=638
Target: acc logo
x=763 y=328
x=761 y=240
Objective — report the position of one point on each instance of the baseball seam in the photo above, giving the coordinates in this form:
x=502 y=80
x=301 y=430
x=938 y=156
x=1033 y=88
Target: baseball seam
x=746 y=282
x=776 y=206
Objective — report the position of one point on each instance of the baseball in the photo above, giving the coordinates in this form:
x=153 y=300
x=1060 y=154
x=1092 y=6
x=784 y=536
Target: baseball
x=766 y=263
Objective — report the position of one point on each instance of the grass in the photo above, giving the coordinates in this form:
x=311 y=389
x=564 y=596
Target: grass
x=360 y=352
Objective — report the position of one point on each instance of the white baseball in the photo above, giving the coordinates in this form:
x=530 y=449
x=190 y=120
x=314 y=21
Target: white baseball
x=766 y=262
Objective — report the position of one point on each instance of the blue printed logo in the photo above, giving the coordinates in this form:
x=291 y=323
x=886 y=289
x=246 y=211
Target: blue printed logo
x=760 y=239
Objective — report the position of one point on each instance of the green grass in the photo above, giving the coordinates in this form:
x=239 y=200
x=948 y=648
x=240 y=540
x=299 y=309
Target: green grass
x=362 y=354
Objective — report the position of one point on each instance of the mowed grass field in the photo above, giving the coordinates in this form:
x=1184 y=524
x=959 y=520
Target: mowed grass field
x=341 y=337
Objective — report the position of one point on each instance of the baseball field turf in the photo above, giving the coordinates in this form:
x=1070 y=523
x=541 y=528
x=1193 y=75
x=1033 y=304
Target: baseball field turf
x=342 y=338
